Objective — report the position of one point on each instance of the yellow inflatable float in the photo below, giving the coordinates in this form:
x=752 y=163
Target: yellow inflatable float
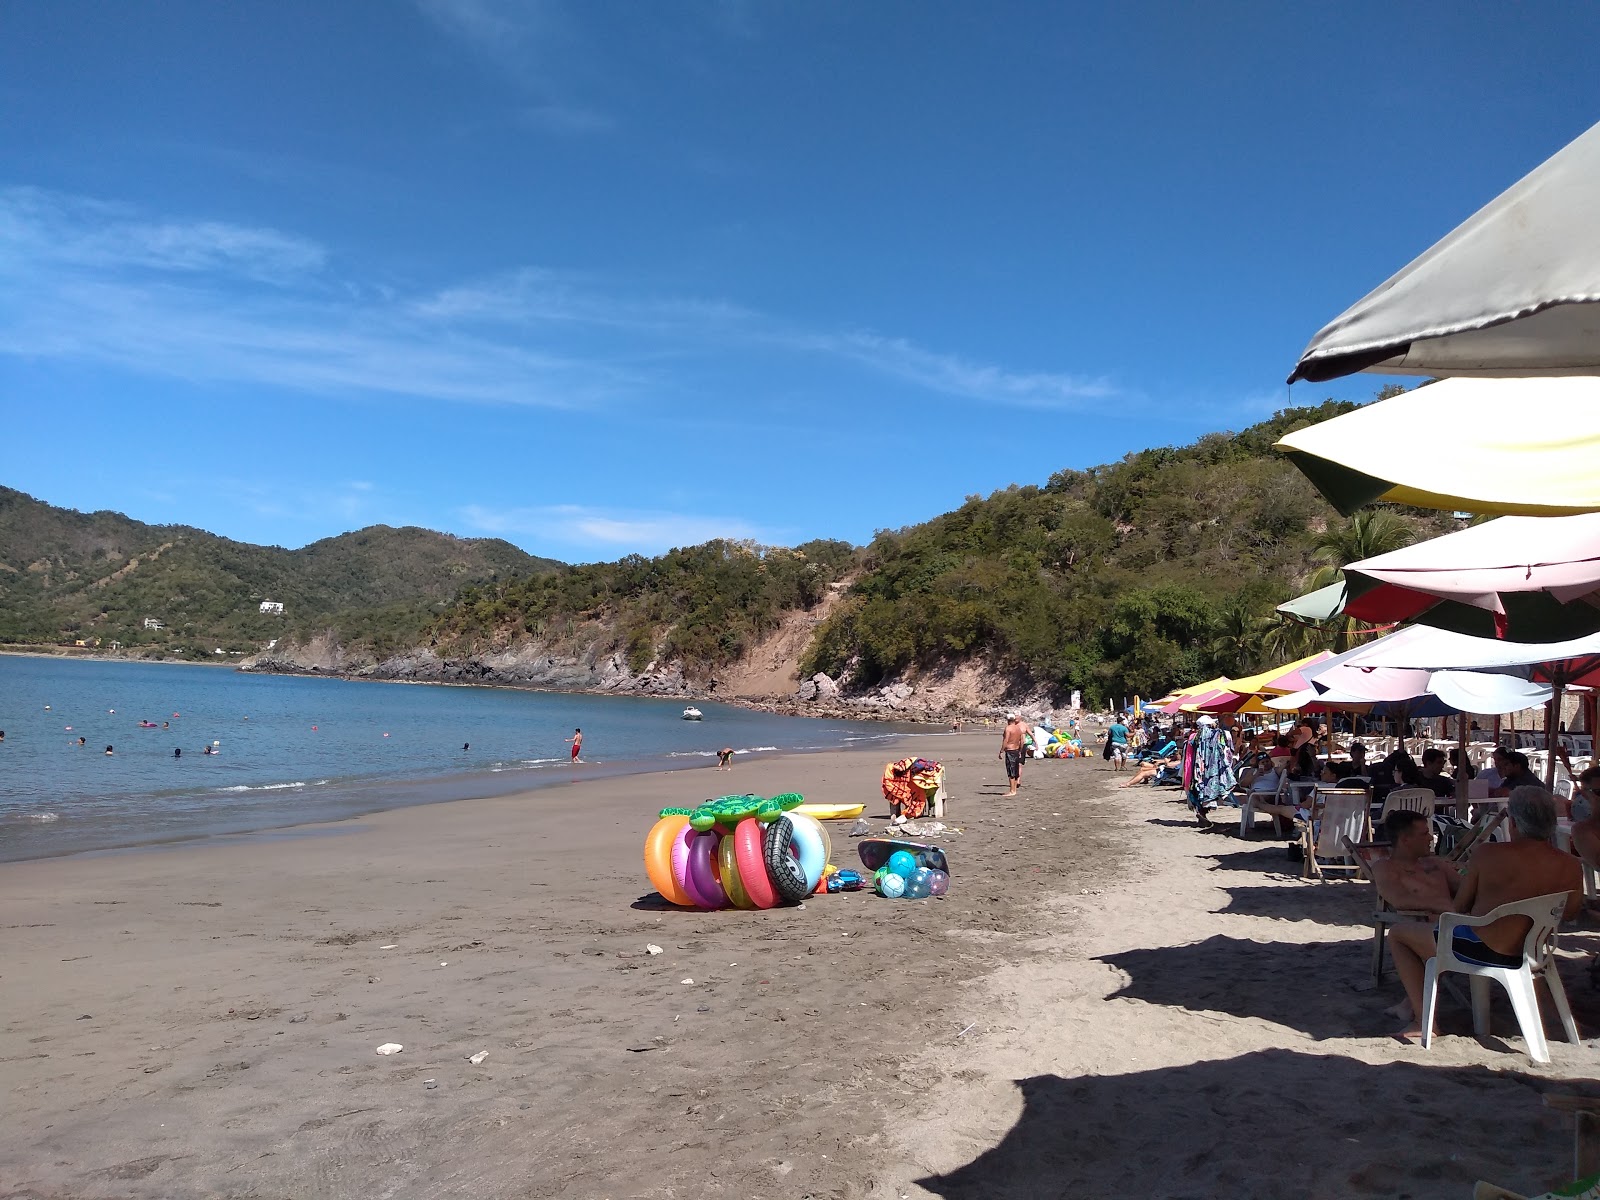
x=833 y=812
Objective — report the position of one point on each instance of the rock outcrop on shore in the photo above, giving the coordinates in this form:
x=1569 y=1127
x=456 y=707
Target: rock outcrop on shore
x=965 y=690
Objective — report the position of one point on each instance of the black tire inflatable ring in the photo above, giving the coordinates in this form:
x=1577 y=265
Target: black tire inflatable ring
x=788 y=880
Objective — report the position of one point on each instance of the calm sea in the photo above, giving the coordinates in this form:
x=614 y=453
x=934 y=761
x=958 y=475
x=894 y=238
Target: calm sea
x=292 y=750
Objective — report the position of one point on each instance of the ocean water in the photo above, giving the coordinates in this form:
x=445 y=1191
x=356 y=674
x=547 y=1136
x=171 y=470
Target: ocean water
x=292 y=750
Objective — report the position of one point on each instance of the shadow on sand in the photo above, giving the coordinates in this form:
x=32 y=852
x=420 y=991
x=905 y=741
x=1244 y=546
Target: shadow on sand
x=1341 y=904
x=1344 y=1128
x=1247 y=979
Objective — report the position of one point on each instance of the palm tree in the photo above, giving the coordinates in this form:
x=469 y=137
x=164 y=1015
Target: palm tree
x=1236 y=648
x=1369 y=533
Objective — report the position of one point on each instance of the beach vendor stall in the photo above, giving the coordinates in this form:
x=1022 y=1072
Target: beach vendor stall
x=913 y=786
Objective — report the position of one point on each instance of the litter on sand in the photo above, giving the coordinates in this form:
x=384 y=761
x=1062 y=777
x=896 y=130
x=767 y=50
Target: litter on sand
x=390 y=1048
x=652 y=948
x=477 y=1058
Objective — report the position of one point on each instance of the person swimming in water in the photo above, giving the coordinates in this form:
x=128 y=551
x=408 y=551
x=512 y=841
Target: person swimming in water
x=109 y=750
x=177 y=752
x=466 y=745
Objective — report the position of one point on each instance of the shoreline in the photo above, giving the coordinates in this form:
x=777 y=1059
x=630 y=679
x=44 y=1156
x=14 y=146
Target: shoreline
x=786 y=706
x=519 y=786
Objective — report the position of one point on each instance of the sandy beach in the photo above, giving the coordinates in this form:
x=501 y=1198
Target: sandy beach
x=1108 y=1002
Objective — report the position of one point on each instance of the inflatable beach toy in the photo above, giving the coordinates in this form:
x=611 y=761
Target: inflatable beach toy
x=738 y=852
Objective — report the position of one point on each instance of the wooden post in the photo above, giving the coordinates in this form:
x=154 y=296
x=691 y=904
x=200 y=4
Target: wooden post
x=1551 y=741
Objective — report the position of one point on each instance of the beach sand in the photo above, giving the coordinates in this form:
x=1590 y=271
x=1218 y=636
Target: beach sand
x=1108 y=1002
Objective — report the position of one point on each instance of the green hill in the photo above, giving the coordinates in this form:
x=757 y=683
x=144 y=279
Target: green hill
x=66 y=575
x=1123 y=578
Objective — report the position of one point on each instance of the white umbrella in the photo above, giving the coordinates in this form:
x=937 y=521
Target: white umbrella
x=1513 y=290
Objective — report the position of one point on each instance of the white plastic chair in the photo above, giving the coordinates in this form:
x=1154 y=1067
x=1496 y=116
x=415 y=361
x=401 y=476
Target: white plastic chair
x=1538 y=956
x=1247 y=807
x=1417 y=800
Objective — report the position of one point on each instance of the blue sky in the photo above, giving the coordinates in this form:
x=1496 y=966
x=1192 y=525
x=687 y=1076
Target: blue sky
x=607 y=277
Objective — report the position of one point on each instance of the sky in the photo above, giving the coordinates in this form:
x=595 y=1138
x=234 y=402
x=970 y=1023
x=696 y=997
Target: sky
x=604 y=278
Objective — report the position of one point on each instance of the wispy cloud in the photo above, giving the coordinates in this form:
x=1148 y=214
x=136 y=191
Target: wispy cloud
x=211 y=302
x=45 y=227
x=606 y=529
x=568 y=120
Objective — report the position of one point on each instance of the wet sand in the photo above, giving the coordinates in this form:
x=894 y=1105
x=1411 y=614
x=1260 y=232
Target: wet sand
x=1108 y=1002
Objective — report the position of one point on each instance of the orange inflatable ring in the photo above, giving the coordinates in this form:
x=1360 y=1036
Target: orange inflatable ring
x=750 y=854
x=658 y=859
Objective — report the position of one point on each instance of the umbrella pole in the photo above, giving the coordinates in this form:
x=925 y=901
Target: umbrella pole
x=1551 y=740
x=1463 y=807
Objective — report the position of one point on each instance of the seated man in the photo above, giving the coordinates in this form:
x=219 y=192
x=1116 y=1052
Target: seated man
x=1433 y=776
x=1514 y=772
x=1500 y=873
x=1358 y=758
x=1413 y=878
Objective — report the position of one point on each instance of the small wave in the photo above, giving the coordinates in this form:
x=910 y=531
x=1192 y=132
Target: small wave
x=754 y=749
x=41 y=817
x=265 y=787
x=691 y=754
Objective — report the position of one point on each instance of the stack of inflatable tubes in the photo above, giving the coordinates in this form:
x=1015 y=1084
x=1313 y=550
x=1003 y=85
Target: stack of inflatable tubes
x=757 y=856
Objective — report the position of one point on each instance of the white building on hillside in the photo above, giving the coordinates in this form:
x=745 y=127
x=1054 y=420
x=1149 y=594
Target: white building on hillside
x=152 y=623
x=272 y=606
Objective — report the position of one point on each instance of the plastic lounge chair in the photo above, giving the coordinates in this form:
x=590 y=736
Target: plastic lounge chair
x=1337 y=814
x=1482 y=830
x=1538 y=956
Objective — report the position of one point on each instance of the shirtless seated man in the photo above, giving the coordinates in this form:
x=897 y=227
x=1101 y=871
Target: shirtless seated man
x=1413 y=878
x=1500 y=873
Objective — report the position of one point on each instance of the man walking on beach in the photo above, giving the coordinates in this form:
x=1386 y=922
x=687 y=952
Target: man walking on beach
x=1117 y=741
x=577 y=743
x=1011 y=751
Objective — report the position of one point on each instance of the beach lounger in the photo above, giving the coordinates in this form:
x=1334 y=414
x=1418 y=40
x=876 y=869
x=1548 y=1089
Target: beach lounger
x=1538 y=957
x=1337 y=815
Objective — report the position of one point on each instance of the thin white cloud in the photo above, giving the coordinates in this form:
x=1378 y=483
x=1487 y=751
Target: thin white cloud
x=215 y=303
x=47 y=228
x=607 y=529
x=568 y=120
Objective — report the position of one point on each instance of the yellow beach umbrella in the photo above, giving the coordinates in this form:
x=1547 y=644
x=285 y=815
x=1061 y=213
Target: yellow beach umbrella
x=1522 y=447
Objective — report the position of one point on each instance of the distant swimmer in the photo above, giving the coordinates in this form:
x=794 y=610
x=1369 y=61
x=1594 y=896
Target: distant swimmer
x=208 y=750
x=109 y=750
x=164 y=725
x=177 y=752
x=725 y=759
x=577 y=743
x=83 y=741
x=464 y=745
x=2 y=735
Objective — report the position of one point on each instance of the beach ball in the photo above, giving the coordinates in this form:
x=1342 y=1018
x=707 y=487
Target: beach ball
x=902 y=863
x=892 y=886
x=938 y=883
x=918 y=883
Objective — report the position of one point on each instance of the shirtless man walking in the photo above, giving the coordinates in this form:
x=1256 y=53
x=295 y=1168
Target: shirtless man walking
x=1011 y=751
x=1528 y=865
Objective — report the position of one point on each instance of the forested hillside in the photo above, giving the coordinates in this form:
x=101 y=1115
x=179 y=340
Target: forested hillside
x=68 y=576
x=1165 y=566
x=1122 y=578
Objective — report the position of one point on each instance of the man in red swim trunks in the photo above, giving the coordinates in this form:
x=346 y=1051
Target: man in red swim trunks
x=577 y=743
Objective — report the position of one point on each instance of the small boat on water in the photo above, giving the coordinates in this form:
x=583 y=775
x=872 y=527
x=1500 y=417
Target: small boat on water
x=693 y=714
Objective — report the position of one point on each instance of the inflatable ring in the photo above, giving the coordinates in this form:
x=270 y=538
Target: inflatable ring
x=728 y=868
x=703 y=870
x=680 y=867
x=658 y=847
x=788 y=878
x=749 y=853
x=810 y=845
